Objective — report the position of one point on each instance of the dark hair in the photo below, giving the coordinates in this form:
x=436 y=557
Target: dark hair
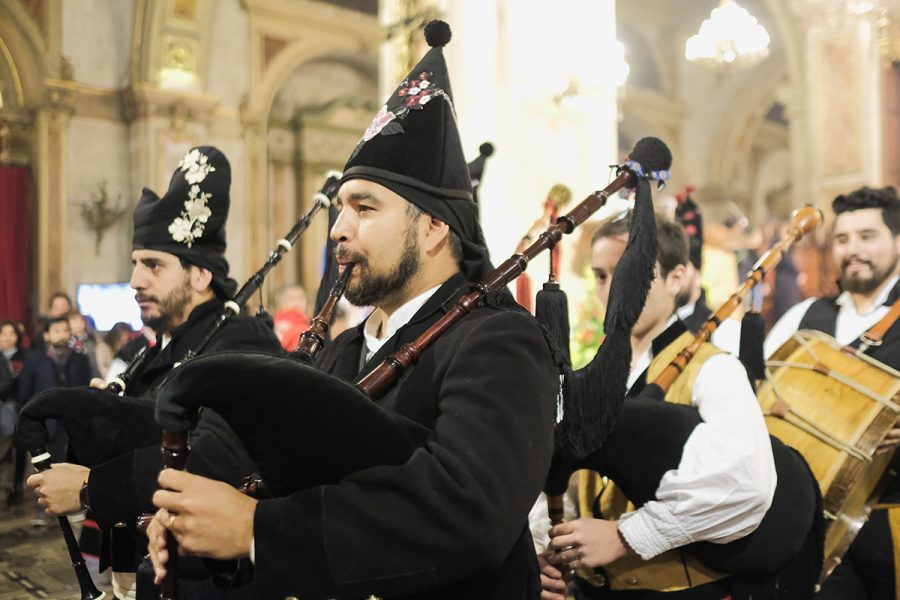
x=50 y=321
x=673 y=241
x=884 y=198
x=56 y=295
x=112 y=336
x=456 y=249
x=17 y=328
x=186 y=265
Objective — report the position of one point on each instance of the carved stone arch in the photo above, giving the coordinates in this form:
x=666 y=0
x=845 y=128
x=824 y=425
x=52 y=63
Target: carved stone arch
x=285 y=36
x=294 y=56
x=740 y=138
x=24 y=58
x=790 y=40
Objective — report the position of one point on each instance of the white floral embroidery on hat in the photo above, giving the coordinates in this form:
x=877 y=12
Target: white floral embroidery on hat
x=189 y=225
x=196 y=166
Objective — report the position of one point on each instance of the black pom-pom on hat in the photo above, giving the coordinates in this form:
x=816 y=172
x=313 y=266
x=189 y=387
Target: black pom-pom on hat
x=437 y=33
x=486 y=149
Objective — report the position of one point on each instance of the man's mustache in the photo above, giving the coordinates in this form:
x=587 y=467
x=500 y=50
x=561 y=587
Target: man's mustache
x=142 y=298
x=846 y=262
x=342 y=255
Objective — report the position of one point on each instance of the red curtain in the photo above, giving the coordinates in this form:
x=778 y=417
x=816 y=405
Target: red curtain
x=15 y=251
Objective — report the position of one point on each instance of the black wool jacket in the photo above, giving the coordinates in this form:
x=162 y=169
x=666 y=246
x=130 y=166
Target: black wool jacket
x=122 y=488
x=452 y=522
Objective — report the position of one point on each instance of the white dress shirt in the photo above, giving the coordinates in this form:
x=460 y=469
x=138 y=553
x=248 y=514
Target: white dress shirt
x=379 y=328
x=850 y=323
x=726 y=478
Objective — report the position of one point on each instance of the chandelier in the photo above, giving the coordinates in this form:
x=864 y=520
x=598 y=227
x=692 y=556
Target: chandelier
x=730 y=38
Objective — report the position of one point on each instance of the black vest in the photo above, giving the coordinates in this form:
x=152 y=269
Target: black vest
x=822 y=316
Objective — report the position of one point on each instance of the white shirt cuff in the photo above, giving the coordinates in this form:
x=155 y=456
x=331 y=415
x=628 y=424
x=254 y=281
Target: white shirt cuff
x=652 y=530
x=253 y=550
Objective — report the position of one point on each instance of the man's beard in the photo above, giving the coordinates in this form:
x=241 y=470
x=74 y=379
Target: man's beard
x=169 y=308
x=860 y=285
x=372 y=290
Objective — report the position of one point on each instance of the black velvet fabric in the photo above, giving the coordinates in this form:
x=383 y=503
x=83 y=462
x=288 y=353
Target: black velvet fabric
x=121 y=487
x=753 y=334
x=593 y=394
x=451 y=522
x=304 y=427
x=476 y=168
x=100 y=425
x=206 y=168
x=648 y=440
x=413 y=148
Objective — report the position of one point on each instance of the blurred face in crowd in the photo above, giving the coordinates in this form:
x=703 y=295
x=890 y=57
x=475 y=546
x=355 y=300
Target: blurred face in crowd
x=59 y=306
x=8 y=337
x=293 y=298
x=375 y=231
x=605 y=255
x=165 y=289
x=57 y=335
x=864 y=250
x=77 y=324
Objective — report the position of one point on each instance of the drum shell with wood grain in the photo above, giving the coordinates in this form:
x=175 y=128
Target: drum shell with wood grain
x=842 y=404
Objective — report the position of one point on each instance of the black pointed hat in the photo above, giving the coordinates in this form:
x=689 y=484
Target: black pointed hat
x=476 y=167
x=412 y=147
x=689 y=215
x=189 y=220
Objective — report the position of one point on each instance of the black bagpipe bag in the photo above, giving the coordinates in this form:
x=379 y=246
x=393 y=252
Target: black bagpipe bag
x=300 y=426
x=100 y=425
x=647 y=441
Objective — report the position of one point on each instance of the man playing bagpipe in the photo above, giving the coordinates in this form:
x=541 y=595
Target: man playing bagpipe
x=717 y=491
x=450 y=519
x=180 y=277
x=866 y=251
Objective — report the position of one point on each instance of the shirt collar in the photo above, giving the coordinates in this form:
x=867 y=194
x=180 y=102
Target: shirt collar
x=845 y=300
x=388 y=326
x=683 y=312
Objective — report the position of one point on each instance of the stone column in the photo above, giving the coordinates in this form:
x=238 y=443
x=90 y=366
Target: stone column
x=50 y=127
x=256 y=192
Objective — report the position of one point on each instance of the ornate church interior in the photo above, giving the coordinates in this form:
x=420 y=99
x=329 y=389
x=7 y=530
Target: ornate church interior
x=100 y=99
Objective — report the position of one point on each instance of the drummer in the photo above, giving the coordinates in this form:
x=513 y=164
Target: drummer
x=724 y=483
x=866 y=251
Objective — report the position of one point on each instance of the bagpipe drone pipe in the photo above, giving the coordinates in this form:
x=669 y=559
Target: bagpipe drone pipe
x=303 y=427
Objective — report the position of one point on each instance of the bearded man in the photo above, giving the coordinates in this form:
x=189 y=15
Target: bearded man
x=866 y=249
x=181 y=281
x=450 y=521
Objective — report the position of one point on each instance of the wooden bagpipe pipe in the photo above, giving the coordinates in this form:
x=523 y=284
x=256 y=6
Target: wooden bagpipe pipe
x=649 y=435
x=305 y=428
x=101 y=424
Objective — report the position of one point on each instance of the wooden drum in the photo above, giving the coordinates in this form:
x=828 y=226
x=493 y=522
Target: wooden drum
x=834 y=406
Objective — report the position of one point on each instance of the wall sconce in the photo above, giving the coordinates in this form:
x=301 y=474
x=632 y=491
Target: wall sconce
x=100 y=214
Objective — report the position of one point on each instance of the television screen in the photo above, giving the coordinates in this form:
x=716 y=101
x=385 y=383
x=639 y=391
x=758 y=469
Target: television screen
x=108 y=303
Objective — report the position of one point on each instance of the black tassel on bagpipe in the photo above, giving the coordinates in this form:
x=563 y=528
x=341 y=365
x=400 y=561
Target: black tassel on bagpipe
x=753 y=334
x=593 y=395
